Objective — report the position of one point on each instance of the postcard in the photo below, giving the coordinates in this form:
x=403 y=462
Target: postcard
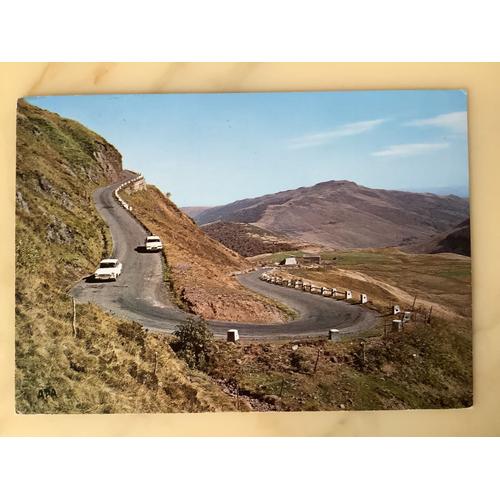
x=252 y=252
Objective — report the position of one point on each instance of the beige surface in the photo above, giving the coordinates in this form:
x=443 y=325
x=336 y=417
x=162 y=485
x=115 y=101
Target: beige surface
x=482 y=82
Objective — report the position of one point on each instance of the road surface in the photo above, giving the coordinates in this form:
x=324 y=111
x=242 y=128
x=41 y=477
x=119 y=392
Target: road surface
x=139 y=293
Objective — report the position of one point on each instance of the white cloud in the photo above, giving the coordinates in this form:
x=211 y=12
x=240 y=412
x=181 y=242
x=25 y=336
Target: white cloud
x=411 y=149
x=454 y=122
x=318 y=139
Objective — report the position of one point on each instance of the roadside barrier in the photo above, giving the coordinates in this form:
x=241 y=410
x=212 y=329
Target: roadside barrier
x=128 y=207
x=333 y=334
x=311 y=288
x=397 y=325
x=120 y=200
x=233 y=336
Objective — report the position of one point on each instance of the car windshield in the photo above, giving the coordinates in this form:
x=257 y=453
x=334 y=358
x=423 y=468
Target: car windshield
x=107 y=264
x=154 y=238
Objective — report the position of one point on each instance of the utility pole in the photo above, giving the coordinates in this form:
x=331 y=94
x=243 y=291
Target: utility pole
x=74 y=318
x=429 y=317
x=413 y=306
x=317 y=359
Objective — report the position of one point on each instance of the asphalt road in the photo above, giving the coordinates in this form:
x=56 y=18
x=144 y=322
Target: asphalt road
x=139 y=293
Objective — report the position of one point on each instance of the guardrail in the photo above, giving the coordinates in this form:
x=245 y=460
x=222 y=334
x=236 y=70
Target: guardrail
x=124 y=204
x=312 y=288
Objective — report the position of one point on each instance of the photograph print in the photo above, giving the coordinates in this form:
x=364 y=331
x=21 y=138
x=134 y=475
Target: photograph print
x=243 y=252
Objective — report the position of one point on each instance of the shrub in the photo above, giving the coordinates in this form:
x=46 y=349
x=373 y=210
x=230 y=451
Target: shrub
x=131 y=331
x=194 y=343
x=298 y=361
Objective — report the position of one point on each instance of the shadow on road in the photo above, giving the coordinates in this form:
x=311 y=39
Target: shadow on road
x=91 y=279
x=142 y=249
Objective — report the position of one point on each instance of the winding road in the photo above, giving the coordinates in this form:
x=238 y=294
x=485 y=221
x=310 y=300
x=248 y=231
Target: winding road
x=139 y=293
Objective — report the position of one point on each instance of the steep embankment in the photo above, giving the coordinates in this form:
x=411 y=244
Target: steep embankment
x=201 y=267
x=344 y=214
x=109 y=365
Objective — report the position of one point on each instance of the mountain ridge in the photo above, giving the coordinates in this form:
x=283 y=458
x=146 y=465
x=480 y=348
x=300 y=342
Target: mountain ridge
x=344 y=214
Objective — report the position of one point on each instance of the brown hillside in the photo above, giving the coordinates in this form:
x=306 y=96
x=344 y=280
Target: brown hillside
x=457 y=240
x=344 y=214
x=249 y=240
x=201 y=267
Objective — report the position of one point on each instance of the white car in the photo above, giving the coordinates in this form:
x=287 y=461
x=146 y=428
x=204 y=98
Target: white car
x=109 y=269
x=153 y=243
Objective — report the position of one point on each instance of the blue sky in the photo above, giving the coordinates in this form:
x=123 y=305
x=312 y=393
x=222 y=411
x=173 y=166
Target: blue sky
x=211 y=149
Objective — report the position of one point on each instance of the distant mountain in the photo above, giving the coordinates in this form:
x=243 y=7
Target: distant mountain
x=194 y=211
x=344 y=214
x=456 y=240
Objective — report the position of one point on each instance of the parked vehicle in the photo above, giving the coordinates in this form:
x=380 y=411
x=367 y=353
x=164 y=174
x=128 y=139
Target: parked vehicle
x=153 y=243
x=109 y=270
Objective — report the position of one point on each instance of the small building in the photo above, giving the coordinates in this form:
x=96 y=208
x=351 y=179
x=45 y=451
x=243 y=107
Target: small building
x=289 y=261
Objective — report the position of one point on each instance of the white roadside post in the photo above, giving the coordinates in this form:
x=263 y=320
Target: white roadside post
x=333 y=334
x=363 y=298
x=397 y=325
x=233 y=336
x=396 y=309
x=406 y=316
x=348 y=294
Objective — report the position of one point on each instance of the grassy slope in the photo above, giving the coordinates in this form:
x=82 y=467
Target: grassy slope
x=111 y=366
x=201 y=267
x=427 y=366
